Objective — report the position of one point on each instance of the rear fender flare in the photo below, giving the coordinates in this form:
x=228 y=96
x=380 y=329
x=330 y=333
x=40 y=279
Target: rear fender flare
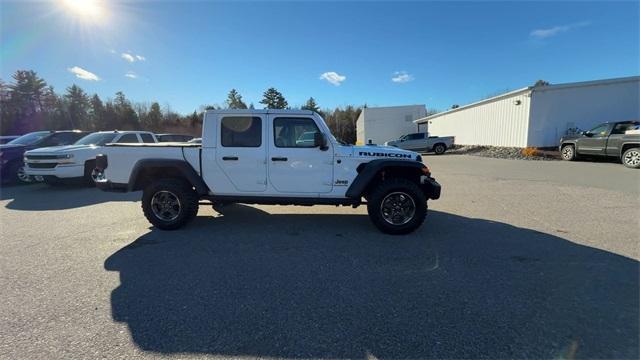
x=182 y=167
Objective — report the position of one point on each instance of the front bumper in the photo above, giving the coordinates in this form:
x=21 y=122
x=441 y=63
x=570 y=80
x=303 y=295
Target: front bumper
x=60 y=171
x=430 y=187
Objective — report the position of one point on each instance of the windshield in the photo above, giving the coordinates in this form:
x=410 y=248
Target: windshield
x=30 y=138
x=96 y=139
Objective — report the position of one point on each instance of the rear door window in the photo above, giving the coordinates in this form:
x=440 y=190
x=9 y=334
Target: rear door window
x=147 y=138
x=128 y=138
x=241 y=131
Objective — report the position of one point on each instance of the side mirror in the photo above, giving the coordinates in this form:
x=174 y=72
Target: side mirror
x=320 y=140
x=587 y=134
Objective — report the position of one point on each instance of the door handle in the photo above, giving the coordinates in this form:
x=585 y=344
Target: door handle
x=227 y=158
x=279 y=159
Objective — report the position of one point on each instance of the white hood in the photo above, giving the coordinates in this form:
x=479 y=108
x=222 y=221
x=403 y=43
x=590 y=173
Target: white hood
x=61 y=149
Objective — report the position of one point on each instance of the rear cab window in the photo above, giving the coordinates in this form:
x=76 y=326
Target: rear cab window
x=241 y=131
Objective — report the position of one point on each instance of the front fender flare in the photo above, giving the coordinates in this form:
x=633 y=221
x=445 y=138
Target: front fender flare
x=366 y=175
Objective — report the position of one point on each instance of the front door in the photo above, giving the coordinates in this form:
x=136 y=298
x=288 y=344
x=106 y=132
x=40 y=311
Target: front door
x=296 y=165
x=594 y=143
x=241 y=152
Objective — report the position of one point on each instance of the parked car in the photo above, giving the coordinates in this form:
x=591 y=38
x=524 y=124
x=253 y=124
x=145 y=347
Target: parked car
x=6 y=138
x=173 y=137
x=11 y=153
x=607 y=139
x=422 y=142
x=77 y=161
x=230 y=166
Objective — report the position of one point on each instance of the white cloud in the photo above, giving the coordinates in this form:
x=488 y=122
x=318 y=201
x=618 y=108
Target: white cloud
x=131 y=75
x=333 y=78
x=83 y=74
x=128 y=57
x=132 y=58
x=401 y=77
x=553 y=31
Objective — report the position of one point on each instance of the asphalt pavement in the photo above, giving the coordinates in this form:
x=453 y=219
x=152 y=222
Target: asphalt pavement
x=518 y=259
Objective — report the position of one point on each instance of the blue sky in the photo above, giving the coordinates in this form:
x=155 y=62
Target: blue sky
x=186 y=54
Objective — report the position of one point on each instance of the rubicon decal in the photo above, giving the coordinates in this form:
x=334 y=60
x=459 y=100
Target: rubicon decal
x=380 y=154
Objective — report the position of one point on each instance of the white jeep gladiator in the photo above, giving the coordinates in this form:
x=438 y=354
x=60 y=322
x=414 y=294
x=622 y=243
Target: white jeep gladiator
x=269 y=157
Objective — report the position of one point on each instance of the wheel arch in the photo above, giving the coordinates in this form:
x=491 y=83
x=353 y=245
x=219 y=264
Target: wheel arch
x=374 y=171
x=145 y=171
x=627 y=146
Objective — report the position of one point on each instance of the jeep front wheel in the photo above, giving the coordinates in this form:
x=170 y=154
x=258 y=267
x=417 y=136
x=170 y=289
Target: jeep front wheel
x=397 y=206
x=169 y=204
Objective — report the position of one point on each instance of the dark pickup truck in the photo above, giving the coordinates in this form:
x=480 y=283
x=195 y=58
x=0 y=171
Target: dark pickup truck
x=616 y=139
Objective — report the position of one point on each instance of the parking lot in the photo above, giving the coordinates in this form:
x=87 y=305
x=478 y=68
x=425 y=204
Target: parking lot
x=518 y=259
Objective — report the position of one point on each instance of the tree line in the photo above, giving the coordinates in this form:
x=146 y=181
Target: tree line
x=28 y=103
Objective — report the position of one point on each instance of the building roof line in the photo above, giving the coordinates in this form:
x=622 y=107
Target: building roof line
x=473 y=104
x=531 y=88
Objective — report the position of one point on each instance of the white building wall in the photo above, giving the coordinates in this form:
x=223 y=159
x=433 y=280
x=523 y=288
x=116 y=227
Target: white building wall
x=558 y=108
x=501 y=122
x=382 y=124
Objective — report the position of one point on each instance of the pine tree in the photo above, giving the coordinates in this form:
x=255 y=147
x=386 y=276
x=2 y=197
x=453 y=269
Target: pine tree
x=273 y=99
x=154 y=117
x=311 y=105
x=234 y=100
x=96 y=113
x=127 y=119
x=78 y=107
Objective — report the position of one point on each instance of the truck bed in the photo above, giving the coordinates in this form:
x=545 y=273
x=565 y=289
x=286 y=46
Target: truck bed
x=127 y=155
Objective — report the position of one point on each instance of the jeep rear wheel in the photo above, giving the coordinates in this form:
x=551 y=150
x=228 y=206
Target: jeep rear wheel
x=397 y=206
x=169 y=204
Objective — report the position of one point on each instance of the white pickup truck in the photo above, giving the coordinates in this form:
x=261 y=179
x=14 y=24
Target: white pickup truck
x=422 y=142
x=264 y=157
x=77 y=161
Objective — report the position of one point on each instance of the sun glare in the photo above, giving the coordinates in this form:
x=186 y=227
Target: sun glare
x=91 y=10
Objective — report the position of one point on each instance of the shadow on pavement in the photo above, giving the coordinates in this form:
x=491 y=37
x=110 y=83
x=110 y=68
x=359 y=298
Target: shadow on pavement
x=38 y=197
x=250 y=283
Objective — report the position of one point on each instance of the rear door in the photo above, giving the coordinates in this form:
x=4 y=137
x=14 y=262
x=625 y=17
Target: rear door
x=241 y=152
x=615 y=139
x=295 y=164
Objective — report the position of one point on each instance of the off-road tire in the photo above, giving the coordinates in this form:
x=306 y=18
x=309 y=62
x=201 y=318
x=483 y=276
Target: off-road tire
x=390 y=186
x=568 y=153
x=87 y=179
x=630 y=158
x=439 y=149
x=183 y=191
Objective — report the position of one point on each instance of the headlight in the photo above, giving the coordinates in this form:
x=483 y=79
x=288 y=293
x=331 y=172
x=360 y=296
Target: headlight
x=65 y=159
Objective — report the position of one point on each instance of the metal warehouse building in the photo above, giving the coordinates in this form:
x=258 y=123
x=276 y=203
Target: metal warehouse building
x=538 y=116
x=380 y=124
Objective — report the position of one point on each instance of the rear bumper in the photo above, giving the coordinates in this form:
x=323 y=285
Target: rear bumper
x=430 y=187
x=106 y=185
